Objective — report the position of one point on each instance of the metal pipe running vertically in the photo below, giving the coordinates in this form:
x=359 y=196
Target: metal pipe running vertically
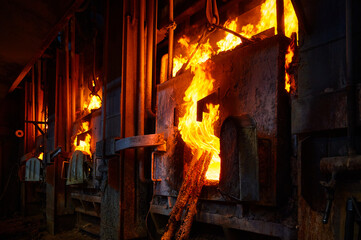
x=170 y=41
x=351 y=91
x=141 y=82
x=150 y=53
x=280 y=17
x=141 y=88
x=105 y=70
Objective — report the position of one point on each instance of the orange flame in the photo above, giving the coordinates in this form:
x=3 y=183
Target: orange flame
x=288 y=61
x=84 y=145
x=230 y=41
x=41 y=156
x=94 y=103
x=268 y=19
x=200 y=135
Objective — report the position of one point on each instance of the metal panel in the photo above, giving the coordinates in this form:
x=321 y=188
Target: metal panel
x=76 y=171
x=248 y=80
x=239 y=165
x=32 y=170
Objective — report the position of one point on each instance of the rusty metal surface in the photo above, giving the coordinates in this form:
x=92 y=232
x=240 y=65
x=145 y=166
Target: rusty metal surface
x=340 y=164
x=238 y=222
x=32 y=170
x=249 y=80
x=76 y=171
x=150 y=140
x=329 y=116
x=239 y=166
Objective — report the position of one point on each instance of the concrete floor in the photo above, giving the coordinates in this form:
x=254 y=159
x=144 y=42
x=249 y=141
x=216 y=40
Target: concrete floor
x=34 y=227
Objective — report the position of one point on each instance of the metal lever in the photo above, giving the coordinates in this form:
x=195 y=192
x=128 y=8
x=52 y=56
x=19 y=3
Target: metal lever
x=326 y=214
x=330 y=192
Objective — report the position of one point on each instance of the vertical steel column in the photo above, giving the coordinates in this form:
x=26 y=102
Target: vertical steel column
x=351 y=91
x=170 y=41
x=280 y=17
x=74 y=88
x=67 y=95
x=141 y=68
x=150 y=53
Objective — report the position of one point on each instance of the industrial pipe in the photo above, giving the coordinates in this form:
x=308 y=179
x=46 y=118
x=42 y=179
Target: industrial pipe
x=141 y=69
x=141 y=106
x=150 y=53
x=170 y=41
x=155 y=16
x=351 y=91
x=105 y=70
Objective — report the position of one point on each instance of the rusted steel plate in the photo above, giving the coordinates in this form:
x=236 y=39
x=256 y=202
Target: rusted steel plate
x=32 y=170
x=248 y=80
x=239 y=165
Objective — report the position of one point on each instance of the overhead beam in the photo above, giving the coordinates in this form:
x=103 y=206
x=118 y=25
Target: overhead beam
x=47 y=41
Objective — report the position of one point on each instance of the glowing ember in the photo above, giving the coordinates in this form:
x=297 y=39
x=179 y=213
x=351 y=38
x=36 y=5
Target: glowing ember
x=94 y=103
x=41 y=155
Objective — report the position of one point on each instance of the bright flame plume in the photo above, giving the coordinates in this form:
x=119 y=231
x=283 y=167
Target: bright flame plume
x=94 y=103
x=84 y=145
x=200 y=135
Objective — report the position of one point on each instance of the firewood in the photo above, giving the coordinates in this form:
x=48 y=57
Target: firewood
x=183 y=195
x=185 y=228
x=188 y=196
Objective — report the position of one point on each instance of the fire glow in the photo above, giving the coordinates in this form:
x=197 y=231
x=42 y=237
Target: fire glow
x=84 y=145
x=200 y=136
x=94 y=103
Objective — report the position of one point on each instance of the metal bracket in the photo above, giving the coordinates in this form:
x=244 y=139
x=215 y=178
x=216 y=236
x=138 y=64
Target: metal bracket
x=159 y=150
x=115 y=145
x=37 y=126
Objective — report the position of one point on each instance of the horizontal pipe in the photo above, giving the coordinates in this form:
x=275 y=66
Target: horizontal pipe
x=340 y=164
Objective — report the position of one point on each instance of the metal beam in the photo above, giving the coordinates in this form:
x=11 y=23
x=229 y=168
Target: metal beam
x=150 y=140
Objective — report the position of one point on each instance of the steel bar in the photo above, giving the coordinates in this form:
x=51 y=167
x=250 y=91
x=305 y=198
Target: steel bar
x=149 y=64
x=244 y=39
x=170 y=41
x=141 y=88
x=340 y=164
x=67 y=92
x=150 y=140
x=280 y=17
x=73 y=72
x=351 y=90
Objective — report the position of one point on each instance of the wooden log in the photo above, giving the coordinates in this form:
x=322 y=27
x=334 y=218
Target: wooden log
x=188 y=194
x=186 y=226
x=184 y=193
